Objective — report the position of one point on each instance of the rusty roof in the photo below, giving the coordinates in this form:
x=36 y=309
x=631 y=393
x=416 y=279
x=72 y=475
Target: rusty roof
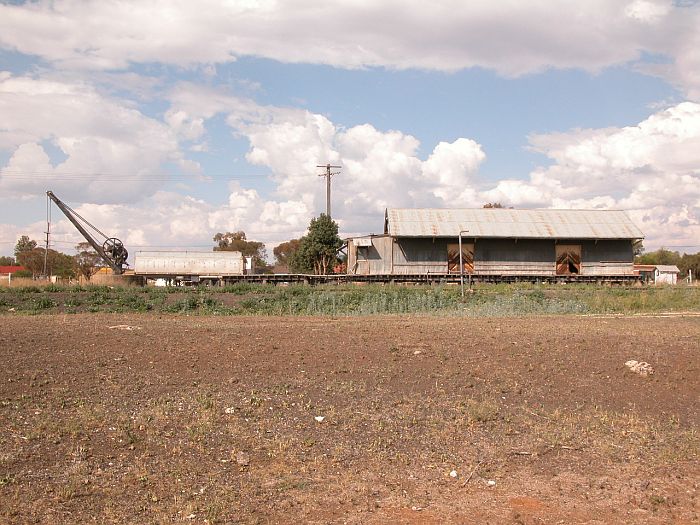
x=508 y=223
x=11 y=269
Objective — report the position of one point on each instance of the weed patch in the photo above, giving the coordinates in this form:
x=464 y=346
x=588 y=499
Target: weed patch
x=43 y=303
x=498 y=300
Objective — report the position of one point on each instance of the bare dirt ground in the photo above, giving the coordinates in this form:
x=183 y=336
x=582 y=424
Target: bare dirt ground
x=167 y=419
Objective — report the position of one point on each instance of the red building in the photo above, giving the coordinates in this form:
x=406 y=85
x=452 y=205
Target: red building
x=7 y=271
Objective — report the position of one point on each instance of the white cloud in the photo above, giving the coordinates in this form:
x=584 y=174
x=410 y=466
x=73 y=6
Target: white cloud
x=518 y=194
x=290 y=144
x=651 y=169
x=380 y=169
x=451 y=166
x=171 y=220
x=510 y=36
x=647 y=11
x=186 y=127
x=99 y=138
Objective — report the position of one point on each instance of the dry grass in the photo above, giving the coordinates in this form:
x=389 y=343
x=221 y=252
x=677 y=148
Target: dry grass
x=21 y=282
x=177 y=456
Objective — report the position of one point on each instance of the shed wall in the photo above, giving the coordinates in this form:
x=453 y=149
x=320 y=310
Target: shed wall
x=665 y=277
x=425 y=255
x=607 y=257
x=420 y=255
x=370 y=260
x=506 y=256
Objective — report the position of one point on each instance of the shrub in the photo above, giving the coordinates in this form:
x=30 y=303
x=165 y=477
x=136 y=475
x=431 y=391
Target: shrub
x=43 y=303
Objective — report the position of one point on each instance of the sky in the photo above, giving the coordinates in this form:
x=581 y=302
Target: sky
x=165 y=122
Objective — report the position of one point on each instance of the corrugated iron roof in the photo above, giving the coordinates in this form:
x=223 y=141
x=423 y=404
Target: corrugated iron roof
x=507 y=223
x=668 y=268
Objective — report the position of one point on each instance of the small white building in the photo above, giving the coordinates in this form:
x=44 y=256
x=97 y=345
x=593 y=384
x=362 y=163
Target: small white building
x=666 y=274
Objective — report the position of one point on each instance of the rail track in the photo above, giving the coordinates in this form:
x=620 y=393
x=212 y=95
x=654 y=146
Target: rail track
x=431 y=278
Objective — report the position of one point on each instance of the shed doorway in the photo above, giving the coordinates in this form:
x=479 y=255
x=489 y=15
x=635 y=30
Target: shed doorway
x=568 y=259
x=467 y=257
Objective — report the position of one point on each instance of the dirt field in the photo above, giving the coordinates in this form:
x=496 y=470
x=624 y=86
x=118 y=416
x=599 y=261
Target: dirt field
x=160 y=419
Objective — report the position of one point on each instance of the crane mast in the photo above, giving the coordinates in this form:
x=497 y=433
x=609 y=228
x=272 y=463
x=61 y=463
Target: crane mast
x=111 y=251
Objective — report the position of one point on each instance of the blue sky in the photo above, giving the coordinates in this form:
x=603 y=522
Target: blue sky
x=165 y=122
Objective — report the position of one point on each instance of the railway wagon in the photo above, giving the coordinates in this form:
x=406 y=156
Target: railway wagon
x=189 y=267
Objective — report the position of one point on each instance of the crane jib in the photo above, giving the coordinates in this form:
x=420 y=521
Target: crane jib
x=112 y=250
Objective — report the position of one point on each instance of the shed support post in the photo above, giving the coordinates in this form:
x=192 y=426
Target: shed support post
x=461 y=263
x=391 y=266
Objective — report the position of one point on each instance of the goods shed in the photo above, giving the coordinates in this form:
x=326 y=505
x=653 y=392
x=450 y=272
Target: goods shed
x=498 y=242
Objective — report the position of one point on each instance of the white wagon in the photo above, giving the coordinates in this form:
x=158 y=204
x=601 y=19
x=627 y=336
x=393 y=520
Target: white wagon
x=189 y=267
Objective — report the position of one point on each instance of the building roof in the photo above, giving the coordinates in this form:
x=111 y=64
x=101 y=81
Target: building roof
x=508 y=223
x=10 y=269
x=668 y=268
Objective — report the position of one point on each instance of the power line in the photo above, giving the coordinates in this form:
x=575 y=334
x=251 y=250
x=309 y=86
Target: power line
x=211 y=245
x=117 y=176
x=130 y=179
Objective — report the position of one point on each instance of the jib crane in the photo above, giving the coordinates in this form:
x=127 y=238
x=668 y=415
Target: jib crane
x=111 y=251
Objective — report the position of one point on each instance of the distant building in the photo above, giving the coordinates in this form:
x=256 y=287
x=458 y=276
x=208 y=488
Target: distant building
x=658 y=273
x=6 y=272
x=497 y=241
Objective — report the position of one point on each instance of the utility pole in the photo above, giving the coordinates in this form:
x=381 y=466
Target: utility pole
x=328 y=176
x=48 y=232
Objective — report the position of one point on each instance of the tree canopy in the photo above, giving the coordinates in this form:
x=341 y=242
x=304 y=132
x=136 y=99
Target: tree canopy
x=7 y=261
x=57 y=263
x=318 y=249
x=496 y=205
x=30 y=256
x=87 y=260
x=237 y=242
x=685 y=262
x=24 y=244
x=285 y=251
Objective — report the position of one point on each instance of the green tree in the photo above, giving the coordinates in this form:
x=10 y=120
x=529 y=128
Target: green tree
x=318 y=249
x=57 y=263
x=24 y=244
x=87 y=260
x=237 y=242
x=660 y=256
x=60 y=264
x=29 y=256
x=685 y=262
x=285 y=251
x=690 y=262
x=7 y=261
